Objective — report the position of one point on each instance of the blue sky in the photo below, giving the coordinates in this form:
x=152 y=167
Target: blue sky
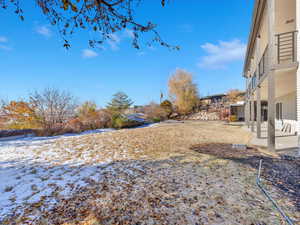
x=212 y=35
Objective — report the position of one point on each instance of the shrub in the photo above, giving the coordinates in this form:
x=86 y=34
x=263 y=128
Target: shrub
x=167 y=106
x=120 y=121
x=56 y=129
x=105 y=119
x=90 y=122
x=91 y=118
x=233 y=118
x=156 y=120
x=74 y=126
x=101 y=119
x=88 y=116
x=86 y=108
x=155 y=112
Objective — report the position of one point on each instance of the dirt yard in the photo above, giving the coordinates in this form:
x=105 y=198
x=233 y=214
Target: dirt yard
x=172 y=173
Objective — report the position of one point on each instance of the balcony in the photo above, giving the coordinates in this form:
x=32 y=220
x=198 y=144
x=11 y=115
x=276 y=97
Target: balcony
x=286 y=53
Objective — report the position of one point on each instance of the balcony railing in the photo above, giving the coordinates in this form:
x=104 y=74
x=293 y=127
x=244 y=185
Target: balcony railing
x=262 y=66
x=286 y=54
x=286 y=47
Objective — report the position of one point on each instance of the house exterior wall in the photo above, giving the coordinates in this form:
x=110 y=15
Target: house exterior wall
x=288 y=106
x=271 y=66
x=285 y=21
x=263 y=33
x=297 y=19
x=285 y=16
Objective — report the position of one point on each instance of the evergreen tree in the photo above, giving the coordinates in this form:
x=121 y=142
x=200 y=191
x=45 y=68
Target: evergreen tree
x=119 y=102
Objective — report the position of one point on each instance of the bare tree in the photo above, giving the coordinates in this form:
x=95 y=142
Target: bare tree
x=104 y=17
x=155 y=112
x=53 y=106
x=234 y=95
x=3 y=103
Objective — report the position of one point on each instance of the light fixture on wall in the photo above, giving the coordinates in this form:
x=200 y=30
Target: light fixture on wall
x=290 y=21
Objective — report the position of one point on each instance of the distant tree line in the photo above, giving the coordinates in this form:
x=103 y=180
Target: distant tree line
x=52 y=111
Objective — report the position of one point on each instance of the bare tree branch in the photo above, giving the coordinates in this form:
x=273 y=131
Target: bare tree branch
x=103 y=17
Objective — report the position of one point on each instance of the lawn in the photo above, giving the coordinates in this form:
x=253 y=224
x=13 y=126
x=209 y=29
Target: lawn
x=171 y=173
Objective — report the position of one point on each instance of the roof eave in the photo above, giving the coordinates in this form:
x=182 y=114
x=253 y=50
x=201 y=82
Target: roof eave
x=256 y=19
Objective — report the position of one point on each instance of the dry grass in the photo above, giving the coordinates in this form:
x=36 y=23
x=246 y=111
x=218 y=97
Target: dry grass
x=155 y=177
x=158 y=142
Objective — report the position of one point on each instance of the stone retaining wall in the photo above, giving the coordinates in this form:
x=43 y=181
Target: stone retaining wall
x=204 y=116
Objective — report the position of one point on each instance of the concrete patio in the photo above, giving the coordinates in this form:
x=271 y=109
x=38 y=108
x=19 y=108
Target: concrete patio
x=286 y=144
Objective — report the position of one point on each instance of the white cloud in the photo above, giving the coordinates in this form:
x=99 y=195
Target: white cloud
x=218 y=56
x=3 y=39
x=3 y=44
x=88 y=53
x=44 y=30
x=114 y=42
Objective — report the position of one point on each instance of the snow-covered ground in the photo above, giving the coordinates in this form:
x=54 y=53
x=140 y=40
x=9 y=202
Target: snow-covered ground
x=41 y=170
x=34 y=169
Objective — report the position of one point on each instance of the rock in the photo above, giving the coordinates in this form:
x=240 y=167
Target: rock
x=204 y=116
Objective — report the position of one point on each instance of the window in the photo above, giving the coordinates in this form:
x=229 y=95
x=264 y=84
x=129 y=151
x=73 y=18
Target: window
x=279 y=111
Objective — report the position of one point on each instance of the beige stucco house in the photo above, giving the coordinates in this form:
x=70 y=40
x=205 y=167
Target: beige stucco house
x=271 y=68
